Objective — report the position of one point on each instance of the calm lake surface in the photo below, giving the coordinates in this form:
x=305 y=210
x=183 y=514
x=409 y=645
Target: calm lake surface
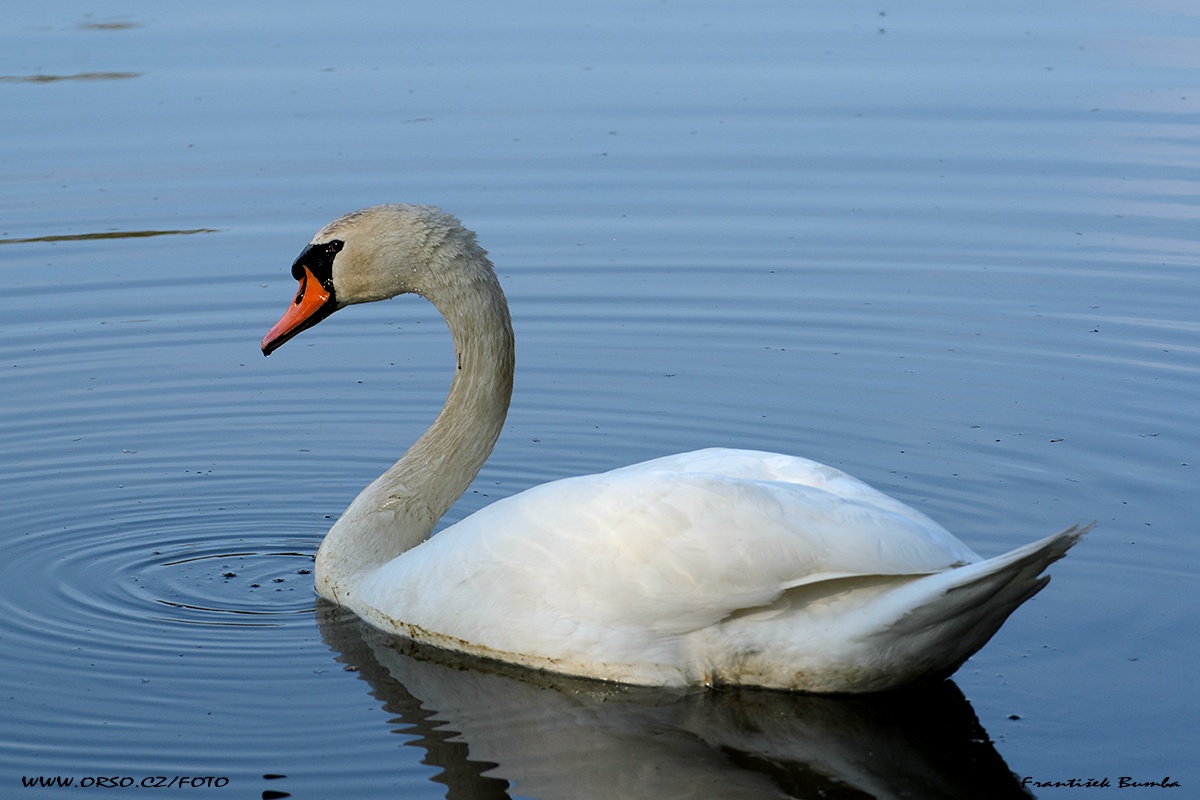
x=950 y=250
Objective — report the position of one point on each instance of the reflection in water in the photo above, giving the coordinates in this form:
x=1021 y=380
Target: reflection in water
x=82 y=237
x=79 y=76
x=491 y=728
x=107 y=26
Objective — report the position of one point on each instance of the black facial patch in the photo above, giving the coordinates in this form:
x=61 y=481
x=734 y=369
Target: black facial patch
x=319 y=260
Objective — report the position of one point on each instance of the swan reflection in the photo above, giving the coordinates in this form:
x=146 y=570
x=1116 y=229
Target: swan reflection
x=499 y=731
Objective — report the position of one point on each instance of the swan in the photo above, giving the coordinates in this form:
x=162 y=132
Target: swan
x=715 y=567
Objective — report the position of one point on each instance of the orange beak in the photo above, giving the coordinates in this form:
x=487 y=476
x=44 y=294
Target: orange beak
x=313 y=303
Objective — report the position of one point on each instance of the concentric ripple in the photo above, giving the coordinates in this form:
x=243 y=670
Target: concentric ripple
x=143 y=585
x=237 y=586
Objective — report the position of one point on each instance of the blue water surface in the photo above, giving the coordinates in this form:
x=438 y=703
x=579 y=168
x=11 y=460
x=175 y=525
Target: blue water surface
x=952 y=250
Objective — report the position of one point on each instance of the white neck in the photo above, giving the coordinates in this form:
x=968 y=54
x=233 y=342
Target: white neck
x=400 y=508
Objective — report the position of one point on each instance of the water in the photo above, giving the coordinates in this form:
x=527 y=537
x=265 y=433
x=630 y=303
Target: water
x=952 y=251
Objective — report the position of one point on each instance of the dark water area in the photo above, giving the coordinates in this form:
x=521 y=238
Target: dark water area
x=952 y=251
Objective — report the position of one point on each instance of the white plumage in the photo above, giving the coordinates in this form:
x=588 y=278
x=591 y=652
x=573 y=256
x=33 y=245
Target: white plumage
x=713 y=567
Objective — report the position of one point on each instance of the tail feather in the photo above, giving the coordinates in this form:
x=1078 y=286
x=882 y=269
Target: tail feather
x=962 y=608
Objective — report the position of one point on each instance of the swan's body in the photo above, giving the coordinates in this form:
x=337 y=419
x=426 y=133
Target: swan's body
x=718 y=566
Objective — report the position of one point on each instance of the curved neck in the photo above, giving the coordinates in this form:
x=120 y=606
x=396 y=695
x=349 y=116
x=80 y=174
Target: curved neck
x=400 y=508
x=443 y=462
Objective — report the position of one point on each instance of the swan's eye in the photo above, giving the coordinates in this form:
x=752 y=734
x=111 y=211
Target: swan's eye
x=318 y=258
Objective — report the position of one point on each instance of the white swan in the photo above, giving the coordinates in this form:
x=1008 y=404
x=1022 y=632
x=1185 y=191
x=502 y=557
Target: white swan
x=713 y=567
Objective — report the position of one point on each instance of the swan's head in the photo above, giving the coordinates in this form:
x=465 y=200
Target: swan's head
x=374 y=254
